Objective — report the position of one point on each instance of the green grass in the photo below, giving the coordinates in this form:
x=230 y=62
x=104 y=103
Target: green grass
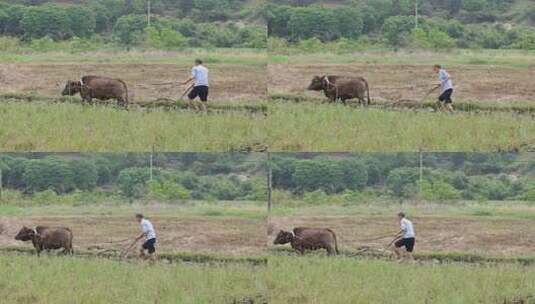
x=249 y=210
x=60 y=280
x=314 y=127
x=70 y=127
x=463 y=209
x=519 y=106
x=343 y=280
x=168 y=257
x=507 y=58
x=210 y=56
x=309 y=279
x=41 y=126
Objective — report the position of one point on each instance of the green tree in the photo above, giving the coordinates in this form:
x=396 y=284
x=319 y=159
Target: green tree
x=13 y=173
x=396 y=29
x=86 y=174
x=401 y=182
x=50 y=173
x=130 y=30
x=132 y=182
x=46 y=20
x=82 y=21
x=474 y=5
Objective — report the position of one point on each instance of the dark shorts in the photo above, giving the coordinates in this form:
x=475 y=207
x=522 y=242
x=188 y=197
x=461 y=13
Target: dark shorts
x=407 y=243
x=445 y=97
x=200 y=91
x=149 y=245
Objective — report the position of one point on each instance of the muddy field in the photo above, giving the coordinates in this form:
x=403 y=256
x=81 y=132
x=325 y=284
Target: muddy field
x=394 y=82
x=227 y=82
x=433 y=234
x=231 y=236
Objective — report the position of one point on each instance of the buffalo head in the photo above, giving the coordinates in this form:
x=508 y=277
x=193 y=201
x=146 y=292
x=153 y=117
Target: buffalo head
x=25 y=234
x=317 y=83
x=72 y=88
x=284 y=237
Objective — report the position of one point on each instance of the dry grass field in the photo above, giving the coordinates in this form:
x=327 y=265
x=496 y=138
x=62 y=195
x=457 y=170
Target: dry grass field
x=230 y=82
x=411 y=81
x=474 y=235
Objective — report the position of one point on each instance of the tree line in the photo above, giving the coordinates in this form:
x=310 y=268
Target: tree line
x=444 y=176
x=124 y=23
x=184 y=177
x=491 y=24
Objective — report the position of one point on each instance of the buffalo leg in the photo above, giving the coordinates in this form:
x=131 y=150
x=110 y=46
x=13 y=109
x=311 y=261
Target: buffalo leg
x=330 y=251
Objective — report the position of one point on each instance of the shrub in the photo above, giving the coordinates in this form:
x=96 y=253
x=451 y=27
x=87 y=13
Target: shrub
x=85 y=174
x=224 y=189
x=46 y=20
x=401 y=182
x=316 y=197
x=397 y=28
x=167 y=190
x=50 y=173
x=132 y=182
x=130 y=30
x=439 y=191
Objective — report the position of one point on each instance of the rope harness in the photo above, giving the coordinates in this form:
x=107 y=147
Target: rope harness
x=330 y=84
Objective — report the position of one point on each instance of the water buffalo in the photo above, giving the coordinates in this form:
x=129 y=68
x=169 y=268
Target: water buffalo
x=46 y=238
x=98 y=87
x=302 y=239
x=341 y=87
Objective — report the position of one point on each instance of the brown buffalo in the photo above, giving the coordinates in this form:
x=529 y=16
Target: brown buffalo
x=46 y=238
x=309 y=239
x=98 y=87
x=343 y=88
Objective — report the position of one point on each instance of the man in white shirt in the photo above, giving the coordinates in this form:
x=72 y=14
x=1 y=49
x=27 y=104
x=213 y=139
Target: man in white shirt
x=199 y=76
x=147 y=232
x=446 y=88
x=404 y=238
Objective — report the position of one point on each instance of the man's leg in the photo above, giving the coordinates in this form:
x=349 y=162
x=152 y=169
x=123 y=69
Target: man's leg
x=398 y=245
x=203 y=95
x=409 y=246
x=191 y=96
x=398 y=253
x=152 y=252
x=442 y=102
x=449 y=102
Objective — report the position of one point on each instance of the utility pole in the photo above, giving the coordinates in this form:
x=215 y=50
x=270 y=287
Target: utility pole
x=421 y=172
x=416 y=13
x=148 y=13
x=270 y=184
x=151 y=161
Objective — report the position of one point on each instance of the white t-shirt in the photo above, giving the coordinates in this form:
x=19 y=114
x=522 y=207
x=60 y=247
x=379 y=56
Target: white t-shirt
x=408 y=230
x=445 y=81
x=200 y=73
x=147 y=229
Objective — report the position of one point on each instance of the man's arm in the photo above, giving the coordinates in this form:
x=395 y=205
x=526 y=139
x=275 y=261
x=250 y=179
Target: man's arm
x=397 y=237
x=140 y=237
x=188 y=80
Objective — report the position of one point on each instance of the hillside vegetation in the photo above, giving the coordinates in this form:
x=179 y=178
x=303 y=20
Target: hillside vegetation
x=43 y=179
x=96 y=24
x=491 y=24
x=360 y=178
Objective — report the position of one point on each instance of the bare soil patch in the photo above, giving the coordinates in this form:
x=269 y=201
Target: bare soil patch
x=233 y=236
x=393 y=82
x=433 y=234
x=228 y=82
